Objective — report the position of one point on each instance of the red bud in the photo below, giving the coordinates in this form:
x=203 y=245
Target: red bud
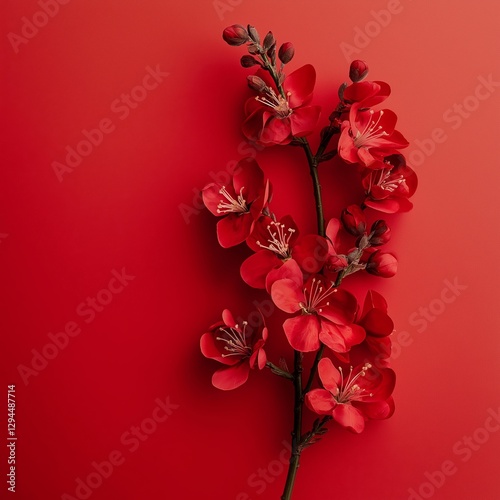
x=380 y=233
x=354 y=220
x=286 y=52
x=235 y=35
x=248 y=61
x=256 y=83
x=358 y=70
x=382 y=264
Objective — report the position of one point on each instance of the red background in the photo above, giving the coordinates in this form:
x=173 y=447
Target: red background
x=119 y=208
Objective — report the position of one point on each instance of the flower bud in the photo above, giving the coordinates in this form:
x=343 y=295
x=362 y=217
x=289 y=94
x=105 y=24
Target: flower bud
x=269 y=41
x=380 y=233
x=254 y=35
x=354 y=220
x=256 y=83
x=358 y=70
x=286 y=52
x=248 y=61
x=235 y=35
x=382 y=264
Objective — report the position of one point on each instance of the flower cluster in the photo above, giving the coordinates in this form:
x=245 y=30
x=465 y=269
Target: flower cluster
x=303 y=274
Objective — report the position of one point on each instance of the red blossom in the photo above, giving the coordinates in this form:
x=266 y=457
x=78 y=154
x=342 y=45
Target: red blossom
x=275 y=242
x=237 y=347
x=273 y=118
x=353 y=396
x=326 y=313
x=369 y=136
x=378 y=327
x=387 y=190
x=240 y=203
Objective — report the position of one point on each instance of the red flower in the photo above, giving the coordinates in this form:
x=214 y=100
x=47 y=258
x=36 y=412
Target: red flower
x=359 y=395
x=326 y=313
x=354 y=220
x=337 y=248
x=240 y=203
x=378 y=327
x=367 y=93
x=369 y=136
x=236 y=347
x=387 y=190
x=276 y=119
x=275 y=242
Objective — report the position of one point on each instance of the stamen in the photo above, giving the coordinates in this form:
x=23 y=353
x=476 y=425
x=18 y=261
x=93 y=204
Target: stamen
x=278 y=103
x=230 y=205
x=348 y=389
x=279 y=241
x=236 y=343
x=371 y=131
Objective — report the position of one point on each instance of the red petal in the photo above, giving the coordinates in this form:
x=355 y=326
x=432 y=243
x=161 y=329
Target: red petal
x=349 y=417
x=379 y=410
x=342 y=308
x=253 y=125
x=234 y=229
x=228 y=318
x=276 y=131
x=320 y=401
x=303 y=121
x=302 y=332
x=329 y=375
x=311 y=252
x=374 y=300
x=255 y=269
x=287 y=295
x=330 y=336
x=209 y=350
x=230 y=378
x=300 y=84
x=248 y=178
x=347 y=150
x=289 y=270
x=378 y=323
x=212 y=197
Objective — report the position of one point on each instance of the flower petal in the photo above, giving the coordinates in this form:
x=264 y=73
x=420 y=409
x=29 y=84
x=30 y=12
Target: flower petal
x=302 y=332
x=248 y=179
x=329 y=375
x=289 y=270
x=230 y=378
x=255 y=268
x=300 y=83
x=311 y=252
x=287 y=295
x=349 y=417
x=303 y=121
x=234 y=229
x=320 y=401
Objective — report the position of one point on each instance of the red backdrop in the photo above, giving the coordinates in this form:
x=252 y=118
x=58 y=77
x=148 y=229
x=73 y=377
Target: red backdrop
x=114 y=114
